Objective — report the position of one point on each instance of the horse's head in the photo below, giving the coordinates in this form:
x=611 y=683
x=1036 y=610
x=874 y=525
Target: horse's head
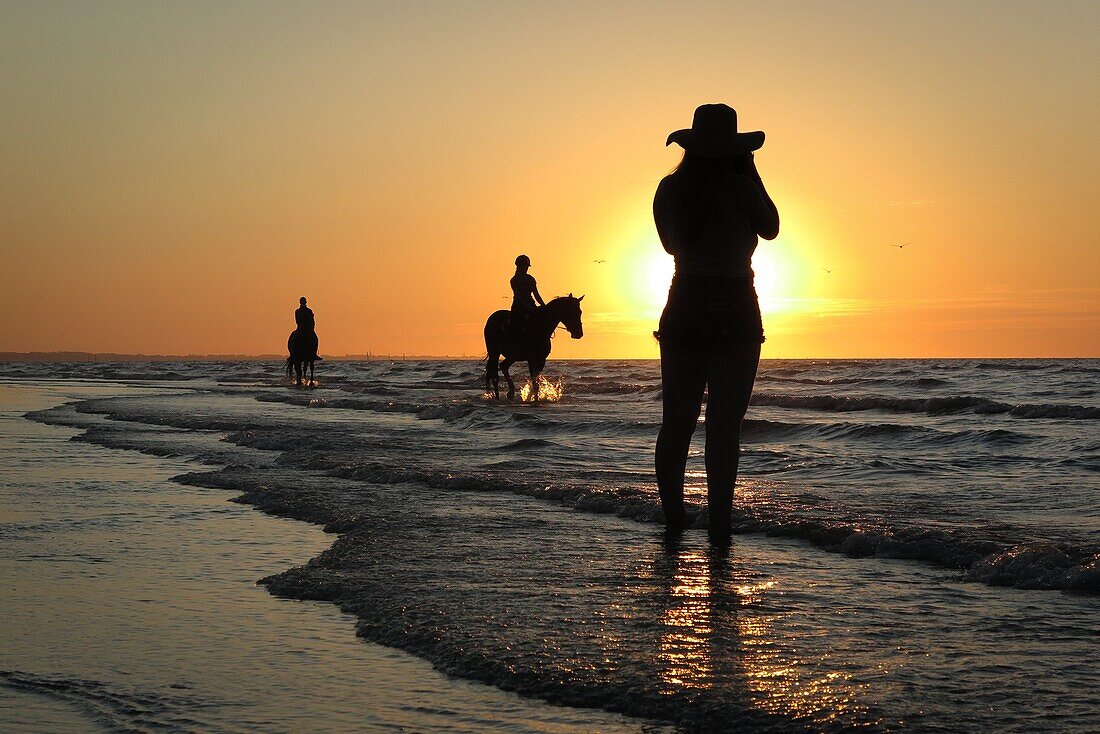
x=570 y=315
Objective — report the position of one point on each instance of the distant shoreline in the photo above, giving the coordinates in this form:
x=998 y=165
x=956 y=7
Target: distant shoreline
x=73 y=357
x=61 y=357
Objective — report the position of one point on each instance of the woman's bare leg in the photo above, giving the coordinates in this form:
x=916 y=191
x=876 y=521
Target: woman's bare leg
x=729 y=387
x=683 y=378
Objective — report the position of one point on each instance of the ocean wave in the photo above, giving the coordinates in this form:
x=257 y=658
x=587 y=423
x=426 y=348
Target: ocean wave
x=611 y=387
x=1039 y=566
x=758 y=429
x=491 y=415
x=753 y=429
x=918 y=382
x=1011 y=366
x=962 y=550
x=988 y=557
x=1086 y=369
x=527 y=444
x=931 y=406
x=991 y=560
x=460 y=594
x=122 y=708
x=768 y=377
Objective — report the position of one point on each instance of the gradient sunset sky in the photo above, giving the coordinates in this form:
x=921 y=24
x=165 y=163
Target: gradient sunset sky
x=175 y=175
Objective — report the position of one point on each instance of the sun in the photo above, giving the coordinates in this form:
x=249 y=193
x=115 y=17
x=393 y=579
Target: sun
x=766 y=280
x=638 y=273
x=658 y=277
x=659 y=268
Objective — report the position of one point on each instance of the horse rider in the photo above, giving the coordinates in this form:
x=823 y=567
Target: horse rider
x=525 y=295
x=306 y=323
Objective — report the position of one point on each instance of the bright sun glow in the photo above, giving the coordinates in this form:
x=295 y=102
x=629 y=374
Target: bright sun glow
x=767 y=280
x=659 y=276
x=660 y=267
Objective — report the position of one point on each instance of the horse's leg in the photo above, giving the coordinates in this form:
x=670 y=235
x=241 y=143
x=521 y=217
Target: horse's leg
x=311 y=380
x=536 y=366
x=492 y=380
x=511 y=385
x=297 y=373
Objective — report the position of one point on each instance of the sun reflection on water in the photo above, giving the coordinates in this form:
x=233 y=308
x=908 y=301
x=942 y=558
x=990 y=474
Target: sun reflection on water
x=687 y=622
x=716 y=631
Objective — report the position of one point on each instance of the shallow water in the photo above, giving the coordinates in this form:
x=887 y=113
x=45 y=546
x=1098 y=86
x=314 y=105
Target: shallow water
x=914 y=577
x=130 y=604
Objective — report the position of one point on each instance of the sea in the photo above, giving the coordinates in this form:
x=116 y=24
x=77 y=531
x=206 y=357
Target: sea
x=203 y=546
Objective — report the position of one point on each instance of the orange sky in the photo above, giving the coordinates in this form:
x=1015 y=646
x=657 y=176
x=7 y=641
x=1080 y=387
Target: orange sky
x=174 y=176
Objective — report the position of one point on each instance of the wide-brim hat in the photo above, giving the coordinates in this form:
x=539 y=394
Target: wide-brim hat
x=713 y=134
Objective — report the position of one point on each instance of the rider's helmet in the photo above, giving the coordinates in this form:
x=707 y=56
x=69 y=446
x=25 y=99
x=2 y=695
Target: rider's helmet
x=523 y=260
x=302 y=300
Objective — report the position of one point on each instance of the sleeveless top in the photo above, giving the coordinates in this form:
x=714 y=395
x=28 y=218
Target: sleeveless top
x=708 y=237
x=712 y=305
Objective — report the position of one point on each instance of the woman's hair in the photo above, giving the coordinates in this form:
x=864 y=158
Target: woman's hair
x=698 y=167
x=696 y=180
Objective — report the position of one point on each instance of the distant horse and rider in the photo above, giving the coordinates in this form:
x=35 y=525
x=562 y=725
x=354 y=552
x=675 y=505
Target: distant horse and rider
x=523 y=334
x=302 y=343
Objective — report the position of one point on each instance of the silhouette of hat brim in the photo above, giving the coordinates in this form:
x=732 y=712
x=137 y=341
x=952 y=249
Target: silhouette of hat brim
x=716 y=146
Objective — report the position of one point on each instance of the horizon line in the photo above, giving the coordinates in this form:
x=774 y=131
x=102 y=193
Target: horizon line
x=75 y=356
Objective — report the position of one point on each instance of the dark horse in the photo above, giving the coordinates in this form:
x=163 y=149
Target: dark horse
x=302 y=346
x=533 y=343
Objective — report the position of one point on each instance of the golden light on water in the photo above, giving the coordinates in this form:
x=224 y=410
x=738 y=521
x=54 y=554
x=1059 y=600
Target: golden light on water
x=688 y=624
x=715 y=626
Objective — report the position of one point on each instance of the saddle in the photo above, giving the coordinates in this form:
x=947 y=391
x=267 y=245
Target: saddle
x=306 y=340
x=517 y=324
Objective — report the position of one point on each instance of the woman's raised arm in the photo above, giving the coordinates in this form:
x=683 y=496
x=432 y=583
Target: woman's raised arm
x=762 y=212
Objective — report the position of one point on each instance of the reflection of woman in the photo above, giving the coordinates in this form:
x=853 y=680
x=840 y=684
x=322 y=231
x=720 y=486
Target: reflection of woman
x=709 y=213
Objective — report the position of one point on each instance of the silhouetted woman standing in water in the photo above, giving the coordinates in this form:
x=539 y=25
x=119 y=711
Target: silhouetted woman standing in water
x=709 y=213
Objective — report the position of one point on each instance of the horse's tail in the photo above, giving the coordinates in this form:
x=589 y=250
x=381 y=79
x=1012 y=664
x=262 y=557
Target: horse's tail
x=492 y=356
x=492 y=364
x=289 y=366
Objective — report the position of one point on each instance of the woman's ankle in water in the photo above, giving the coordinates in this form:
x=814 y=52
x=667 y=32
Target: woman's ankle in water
x=676 y=518
x=719 y=533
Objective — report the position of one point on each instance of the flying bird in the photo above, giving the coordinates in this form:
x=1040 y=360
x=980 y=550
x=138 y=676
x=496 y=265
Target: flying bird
x=903 y=244
x=599 y=261
x=827 y=270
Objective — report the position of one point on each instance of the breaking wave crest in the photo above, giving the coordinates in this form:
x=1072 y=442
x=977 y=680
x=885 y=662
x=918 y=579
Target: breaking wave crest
x=123 y=709
x=931 y=406
x=996 y=558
